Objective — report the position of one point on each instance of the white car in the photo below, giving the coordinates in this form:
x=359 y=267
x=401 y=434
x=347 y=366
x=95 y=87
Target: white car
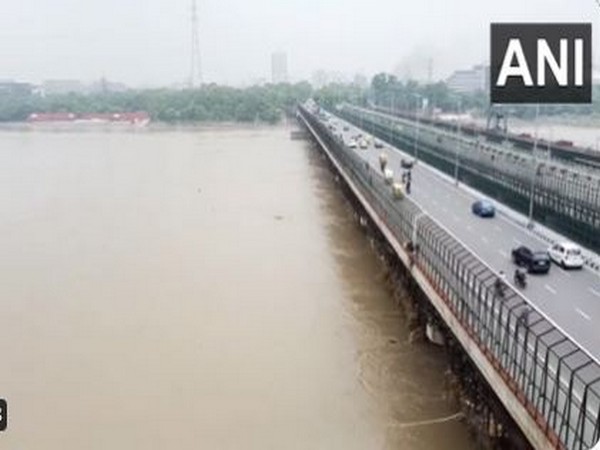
x=364 y=144
x=566 y=255
x=352 y=144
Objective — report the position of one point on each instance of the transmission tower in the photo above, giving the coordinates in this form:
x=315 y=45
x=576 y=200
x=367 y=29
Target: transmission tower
x=195 y=63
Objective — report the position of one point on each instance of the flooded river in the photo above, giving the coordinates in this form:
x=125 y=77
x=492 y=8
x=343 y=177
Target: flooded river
x=199 y=289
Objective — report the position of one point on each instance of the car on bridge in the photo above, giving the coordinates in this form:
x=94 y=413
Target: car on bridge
x=533 y=261
x=352 y=144
x=483 y=208
x=378 y=144
x=567 y=255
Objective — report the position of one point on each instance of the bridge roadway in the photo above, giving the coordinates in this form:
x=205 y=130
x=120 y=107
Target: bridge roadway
x=570 y=298
x=567 y=198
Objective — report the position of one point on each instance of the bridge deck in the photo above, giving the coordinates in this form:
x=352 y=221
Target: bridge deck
x=552 y=377
x=571 y=298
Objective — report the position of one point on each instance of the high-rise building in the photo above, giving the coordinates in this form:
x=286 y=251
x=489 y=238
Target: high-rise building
x=279 y=68
x=472 y=80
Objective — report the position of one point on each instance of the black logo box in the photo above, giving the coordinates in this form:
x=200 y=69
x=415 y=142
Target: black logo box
x=528 y=33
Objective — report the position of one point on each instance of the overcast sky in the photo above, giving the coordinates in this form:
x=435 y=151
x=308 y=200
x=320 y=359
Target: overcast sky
x=147 y=42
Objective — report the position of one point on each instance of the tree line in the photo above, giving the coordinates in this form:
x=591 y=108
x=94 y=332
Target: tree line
x=211 y=103
x=268 y=103
x=386 y=90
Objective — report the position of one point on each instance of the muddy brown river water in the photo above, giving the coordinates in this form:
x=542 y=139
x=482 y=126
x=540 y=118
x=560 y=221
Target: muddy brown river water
x=199 y=289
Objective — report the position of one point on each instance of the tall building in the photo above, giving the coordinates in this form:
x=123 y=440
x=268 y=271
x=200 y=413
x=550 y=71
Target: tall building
x=471 y=80
x=279 y=68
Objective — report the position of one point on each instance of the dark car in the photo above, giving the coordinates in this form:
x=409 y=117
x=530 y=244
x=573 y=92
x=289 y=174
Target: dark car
x=483 y=208
x=533 y=261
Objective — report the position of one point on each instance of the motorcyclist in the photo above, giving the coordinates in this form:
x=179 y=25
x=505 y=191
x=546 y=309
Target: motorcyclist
x=520 y=277
x=382 y=161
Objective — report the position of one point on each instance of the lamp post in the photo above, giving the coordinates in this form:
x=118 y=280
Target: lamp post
x=393 y=120
x=534 y=164
x=416 y=150
x=456 y=161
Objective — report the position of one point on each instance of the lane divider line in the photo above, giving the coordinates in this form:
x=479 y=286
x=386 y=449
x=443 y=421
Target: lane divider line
x=550 y=289
x=582 y=314
x=594 y=292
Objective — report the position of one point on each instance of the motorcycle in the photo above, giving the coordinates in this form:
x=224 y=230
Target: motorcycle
x=520 y=278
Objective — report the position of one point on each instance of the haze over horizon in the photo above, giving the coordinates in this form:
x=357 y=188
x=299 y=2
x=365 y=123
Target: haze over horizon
x=147 y=43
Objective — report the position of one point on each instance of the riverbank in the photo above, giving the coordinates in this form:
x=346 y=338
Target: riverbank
x=151 y=127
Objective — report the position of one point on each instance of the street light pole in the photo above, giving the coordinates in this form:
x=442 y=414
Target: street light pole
x=393 y=120
x=416 y=152
x=534 y=168
x=456 y=162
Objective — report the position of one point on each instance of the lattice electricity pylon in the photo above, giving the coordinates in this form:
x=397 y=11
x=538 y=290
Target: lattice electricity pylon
x=195 y=62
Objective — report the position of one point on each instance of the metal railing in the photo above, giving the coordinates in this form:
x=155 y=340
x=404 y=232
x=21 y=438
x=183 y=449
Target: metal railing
x=556 y=381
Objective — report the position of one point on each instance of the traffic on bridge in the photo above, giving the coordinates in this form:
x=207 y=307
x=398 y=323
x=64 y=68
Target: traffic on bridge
x=570 y=297
x=534 y=342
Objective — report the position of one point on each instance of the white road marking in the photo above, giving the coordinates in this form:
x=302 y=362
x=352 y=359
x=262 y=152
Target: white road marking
x=445 y=209
x=484 y=239
x=497 y=228
x=456 y=218
x=503 y=253
x=582 y=314
x=594 y=292
x=469 y=228
x=516 y=241
x=550 y=289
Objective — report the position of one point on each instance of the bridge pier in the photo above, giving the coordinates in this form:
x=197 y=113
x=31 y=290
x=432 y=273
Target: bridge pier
x=490 y=424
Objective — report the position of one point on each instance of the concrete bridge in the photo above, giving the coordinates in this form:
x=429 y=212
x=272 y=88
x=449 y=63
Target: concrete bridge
x=538 y=348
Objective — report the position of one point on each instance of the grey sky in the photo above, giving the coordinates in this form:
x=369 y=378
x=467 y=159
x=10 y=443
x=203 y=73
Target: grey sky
x=146 y=42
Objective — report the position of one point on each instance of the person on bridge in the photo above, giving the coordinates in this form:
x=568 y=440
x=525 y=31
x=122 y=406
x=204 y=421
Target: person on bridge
x=520 y=277
x=500 y=284
x=382 y=161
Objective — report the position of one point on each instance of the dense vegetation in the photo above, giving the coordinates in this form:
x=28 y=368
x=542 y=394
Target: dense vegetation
x=211 y=103
x=387 y=90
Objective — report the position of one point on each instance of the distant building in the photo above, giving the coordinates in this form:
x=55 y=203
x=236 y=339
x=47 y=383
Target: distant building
x=360 y=80
x=279 y=68
x=103 y=85
x=16 y=88
x=471 y=80
x=58 y=87
x=319 y=79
